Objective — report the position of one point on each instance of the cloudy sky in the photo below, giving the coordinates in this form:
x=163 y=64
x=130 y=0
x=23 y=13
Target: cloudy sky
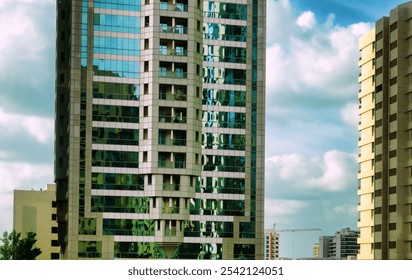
x=311 y=137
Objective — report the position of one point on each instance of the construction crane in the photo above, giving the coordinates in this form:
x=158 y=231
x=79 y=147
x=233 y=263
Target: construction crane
x=294 y=230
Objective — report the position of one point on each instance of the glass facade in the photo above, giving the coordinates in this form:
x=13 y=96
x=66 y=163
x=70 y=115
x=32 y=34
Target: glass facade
x=165 y=127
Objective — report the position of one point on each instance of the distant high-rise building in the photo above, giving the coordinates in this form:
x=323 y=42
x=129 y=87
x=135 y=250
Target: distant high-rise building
x=341 y=246
x=160 y=119
x=316 y=251
x=385 y=139
x=35 y=211
x=271 y=244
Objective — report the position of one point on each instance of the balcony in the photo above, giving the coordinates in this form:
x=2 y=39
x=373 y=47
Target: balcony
x=170 y=187
x=178 y=51
x=178 y=74
x=171 y=164
x=179 y=7
x=178 y=29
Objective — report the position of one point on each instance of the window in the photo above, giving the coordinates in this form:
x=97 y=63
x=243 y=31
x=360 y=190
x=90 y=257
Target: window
x=54 y=230
x=55 y=256
x=146 y=21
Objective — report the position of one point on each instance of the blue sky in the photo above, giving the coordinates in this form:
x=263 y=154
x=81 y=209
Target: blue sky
x=311 y=137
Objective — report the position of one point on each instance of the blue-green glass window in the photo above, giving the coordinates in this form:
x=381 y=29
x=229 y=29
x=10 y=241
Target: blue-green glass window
x=217 y=207
x=244 y=251
x=138 y=250
x=128 y=5
x=214 y=9
x=109 y=113
x=223 y=163
x=116 y=91
x=114 y=181
x=201 y=251
x=224 y=54
x=121 y=46
x=224 y=119
x=118 y=136
x=224 y=97
x=89 y=249
x=214 y=75
x=116 y=23
x=221 y=141
x=120 y=204
x=128 y=227
x=225 y=32
x=221 y=185
x=115 y=158
x=116 y=68
x=208 y=229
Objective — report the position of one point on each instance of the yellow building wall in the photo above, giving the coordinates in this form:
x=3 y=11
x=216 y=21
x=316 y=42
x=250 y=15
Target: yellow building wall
x=366 y=145
x=34 y=211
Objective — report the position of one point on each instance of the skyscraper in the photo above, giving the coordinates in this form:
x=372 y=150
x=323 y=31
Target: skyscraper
x=385 y=140
x=160 y=128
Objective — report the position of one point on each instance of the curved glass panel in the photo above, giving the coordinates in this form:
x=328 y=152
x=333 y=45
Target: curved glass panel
x=120 y=204
x=120 y=46
x=116 y=136
x=128 y=227
x=115 y=159
x=108 y=113
x=113 y=181
x=128 y=5
x=223 y=163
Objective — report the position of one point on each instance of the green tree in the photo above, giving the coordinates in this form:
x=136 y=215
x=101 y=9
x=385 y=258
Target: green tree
x=16 y=248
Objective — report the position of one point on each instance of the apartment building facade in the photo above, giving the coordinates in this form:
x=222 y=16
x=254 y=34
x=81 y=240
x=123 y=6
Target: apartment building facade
x=385 y=139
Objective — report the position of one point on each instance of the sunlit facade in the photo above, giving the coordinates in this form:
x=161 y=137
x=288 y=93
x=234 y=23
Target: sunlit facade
x=385 y=141
x=160 y=129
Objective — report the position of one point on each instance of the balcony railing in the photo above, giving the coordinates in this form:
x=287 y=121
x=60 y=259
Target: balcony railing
x=170 y=210
x=176 y=52
x=174 y=142
x=169 y=119
x=173 y=74
x=170 y=187
x=173 y=29
x=171 y=164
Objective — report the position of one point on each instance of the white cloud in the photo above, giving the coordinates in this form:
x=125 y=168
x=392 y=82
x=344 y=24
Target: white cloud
x=40 y=128
x=346 y=209
x=322 y=59
x=280 y=210
x=350 y=114
x=307 y=20
x=336 y=171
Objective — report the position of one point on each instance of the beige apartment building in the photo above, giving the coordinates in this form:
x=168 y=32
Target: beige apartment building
x=385 y=138
x=271 y=244
x=35 y=210
x=160 y=128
